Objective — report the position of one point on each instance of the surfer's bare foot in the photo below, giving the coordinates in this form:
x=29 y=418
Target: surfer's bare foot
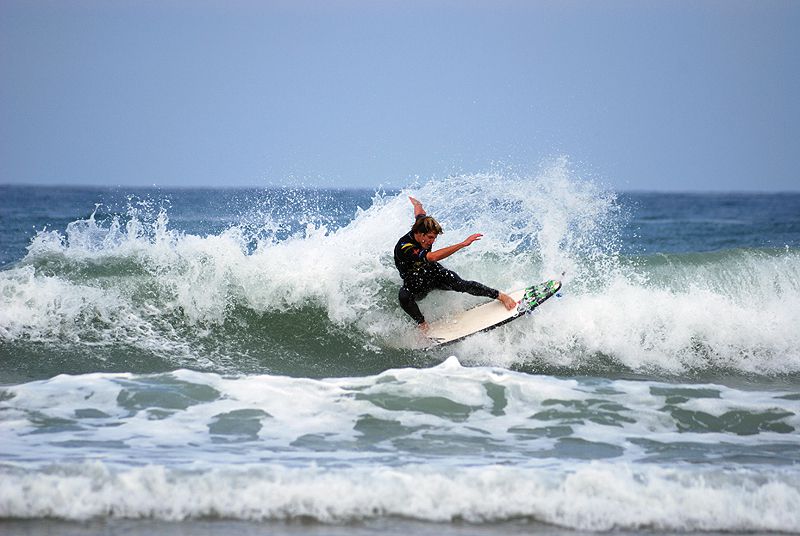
x=423 y=327
x=507 y=300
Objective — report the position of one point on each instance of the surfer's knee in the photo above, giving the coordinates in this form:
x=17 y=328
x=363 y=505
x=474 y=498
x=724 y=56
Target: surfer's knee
x=405 y=296
x=449 y=280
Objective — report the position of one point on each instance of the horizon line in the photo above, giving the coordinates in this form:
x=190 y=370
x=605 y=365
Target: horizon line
x=356 y=188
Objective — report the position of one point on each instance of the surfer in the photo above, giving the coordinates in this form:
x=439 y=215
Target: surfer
x=420 y=269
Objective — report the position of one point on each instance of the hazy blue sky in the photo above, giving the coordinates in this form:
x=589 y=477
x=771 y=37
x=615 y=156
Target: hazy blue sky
x=666 y=95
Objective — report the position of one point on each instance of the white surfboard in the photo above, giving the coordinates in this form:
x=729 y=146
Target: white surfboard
x=490 y=315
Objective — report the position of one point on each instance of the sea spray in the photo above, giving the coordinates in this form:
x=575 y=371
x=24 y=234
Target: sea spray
x=239 y=355
x=294 y=272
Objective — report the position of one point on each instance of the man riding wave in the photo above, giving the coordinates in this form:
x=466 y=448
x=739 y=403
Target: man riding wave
x=420 y=269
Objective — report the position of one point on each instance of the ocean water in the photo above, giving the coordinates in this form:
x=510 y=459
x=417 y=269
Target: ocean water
x=235 y=361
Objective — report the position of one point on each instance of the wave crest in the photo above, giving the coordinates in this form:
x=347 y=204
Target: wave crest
x=133 y=279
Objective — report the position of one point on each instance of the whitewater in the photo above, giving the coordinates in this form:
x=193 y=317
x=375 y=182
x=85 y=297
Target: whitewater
x=178 y=358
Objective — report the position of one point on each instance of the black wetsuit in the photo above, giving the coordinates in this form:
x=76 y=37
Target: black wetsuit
x=420 y=276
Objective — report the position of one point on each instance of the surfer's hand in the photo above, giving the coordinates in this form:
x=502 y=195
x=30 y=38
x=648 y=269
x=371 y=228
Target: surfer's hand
x=507 y=300
x=417 y=206
x=471 y=239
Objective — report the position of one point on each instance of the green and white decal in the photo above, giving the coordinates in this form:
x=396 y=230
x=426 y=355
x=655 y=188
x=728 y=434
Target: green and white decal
x=537 y=294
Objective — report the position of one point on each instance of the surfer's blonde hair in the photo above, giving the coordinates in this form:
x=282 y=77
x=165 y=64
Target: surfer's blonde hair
x=425 y=225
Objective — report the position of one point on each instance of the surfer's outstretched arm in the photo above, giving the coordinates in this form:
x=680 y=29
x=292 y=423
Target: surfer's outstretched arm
x=418 y=210
x=439 y=254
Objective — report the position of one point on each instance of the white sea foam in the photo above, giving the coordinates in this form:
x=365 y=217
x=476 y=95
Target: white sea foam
x=595 y=496
x=399 y=413
x=446 y=443
x=642 y=326
x=738 y=312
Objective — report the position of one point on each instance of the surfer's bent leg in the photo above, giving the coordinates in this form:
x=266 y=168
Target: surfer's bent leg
x=409 y=304
x=449 y=280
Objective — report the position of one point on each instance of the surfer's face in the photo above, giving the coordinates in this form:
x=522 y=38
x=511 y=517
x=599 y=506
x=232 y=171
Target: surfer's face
x=425 y=240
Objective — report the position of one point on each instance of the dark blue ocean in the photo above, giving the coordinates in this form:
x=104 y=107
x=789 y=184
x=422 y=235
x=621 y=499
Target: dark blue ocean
x=209 y=361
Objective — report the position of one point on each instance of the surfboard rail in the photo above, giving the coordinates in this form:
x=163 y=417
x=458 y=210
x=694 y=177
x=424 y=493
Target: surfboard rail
x=490 y=315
